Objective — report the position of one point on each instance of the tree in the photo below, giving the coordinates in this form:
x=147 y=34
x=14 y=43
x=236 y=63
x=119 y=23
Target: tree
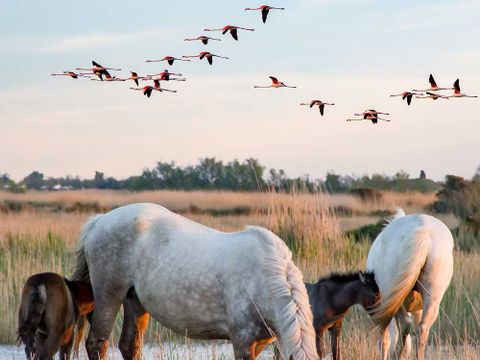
x=34 y=180
x=422 y=174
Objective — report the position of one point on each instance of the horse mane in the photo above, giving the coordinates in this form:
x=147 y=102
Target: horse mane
x=340 y=278
x=292 y=313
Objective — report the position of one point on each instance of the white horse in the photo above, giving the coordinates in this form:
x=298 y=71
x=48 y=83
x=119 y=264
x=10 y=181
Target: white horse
x=413 y=264
x=197 y=281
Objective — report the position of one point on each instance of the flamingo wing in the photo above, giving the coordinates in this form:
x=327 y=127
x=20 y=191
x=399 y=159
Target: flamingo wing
x=136 y=81
x=210 y=59
x=265 y=12
x=205 y=41
x=147 y=91
x=202 y=55
x=234 y=33
x=322 y=109
x=274 y=80
x=432 y=82
x=170 y=61
x=456 y=86
x=157 y=84
x=409 y=99
x=94 y=63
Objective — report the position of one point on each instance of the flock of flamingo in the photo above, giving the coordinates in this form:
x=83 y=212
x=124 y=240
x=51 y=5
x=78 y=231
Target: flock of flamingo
x=103 y=74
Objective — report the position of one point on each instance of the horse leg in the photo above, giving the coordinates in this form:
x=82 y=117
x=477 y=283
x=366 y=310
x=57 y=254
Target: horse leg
x=66 y=349
x=385 y=342
x=334 y=338
x=243 y=349
x=320 y=340
x=430 y=313
x=107 y=304
x=406 y=328
x=48 y=348
x=135 y=321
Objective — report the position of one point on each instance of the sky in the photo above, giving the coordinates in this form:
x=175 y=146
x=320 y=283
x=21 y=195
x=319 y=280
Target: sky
x=354 y=53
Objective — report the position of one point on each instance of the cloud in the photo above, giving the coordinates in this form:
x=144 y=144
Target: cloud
x=45 y=44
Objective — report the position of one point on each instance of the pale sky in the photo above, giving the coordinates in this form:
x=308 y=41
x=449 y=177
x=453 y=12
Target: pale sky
x=354 y=53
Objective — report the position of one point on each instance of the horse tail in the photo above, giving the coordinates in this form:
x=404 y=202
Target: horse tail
x=81 y=268
x=35 y=307
x=415 y=252
x=293 y=319
x=80 y=333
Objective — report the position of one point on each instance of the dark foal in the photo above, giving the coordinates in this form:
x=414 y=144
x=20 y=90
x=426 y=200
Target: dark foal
x=50 y=308
x=330 y=299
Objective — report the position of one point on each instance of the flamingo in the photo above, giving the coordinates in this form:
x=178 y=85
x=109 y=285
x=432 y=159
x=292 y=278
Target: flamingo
x=147 y=90
x=72 y=74
x=407 y=95
x=169 y=59
x=433 y=86
x=99 y=73
x=109 y=77
x=371 y=117
x=457 y=93
x=370 y=112
x=135 y=77
x=432 y=96
x=232 y=29
x=98 y=67
x=203 y=39
x=265 y=10
x=205 y=54
x=320 y=104
x=275 y=84
x=165 y=76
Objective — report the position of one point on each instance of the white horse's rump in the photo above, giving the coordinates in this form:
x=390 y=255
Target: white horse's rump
x=413 y=264
x=195 y=280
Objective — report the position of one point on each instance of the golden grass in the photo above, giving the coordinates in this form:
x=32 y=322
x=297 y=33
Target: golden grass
x=35 y=241
x=180 y=200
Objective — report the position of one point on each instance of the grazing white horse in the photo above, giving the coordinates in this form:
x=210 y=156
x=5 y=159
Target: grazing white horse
x=197 y=281
x=413 y=264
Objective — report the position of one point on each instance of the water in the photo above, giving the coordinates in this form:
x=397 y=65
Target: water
x=165 y=351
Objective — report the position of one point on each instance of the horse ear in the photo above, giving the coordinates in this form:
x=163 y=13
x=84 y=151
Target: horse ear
x=82 y=295
x=362 y=277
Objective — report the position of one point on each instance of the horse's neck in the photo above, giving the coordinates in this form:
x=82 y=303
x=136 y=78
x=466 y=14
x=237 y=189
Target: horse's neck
x=345 y=296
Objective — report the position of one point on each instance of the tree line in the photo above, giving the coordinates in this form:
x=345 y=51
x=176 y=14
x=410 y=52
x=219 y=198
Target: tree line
x=213 y=174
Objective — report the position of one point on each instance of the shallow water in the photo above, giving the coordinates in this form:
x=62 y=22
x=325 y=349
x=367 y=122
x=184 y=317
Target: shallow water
x=166 y=351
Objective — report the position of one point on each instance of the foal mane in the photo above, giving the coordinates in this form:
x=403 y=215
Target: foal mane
x=340 y=278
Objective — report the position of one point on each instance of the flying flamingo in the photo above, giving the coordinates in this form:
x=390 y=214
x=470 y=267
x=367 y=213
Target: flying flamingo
x=433 y=85
x=265 y=10
x=203 y=39
x=169 y=59
x=232 y=29
x=147 y=90
x=109 y=77
x=370 y=112
x=135 y=77
x=165 y=76
x=72 y=74
x=99 y=73
x=432 y=96
x=275 y=84
x=98 y=67
x=457 y=93
x=371 y=117
x=320 y=104
x=407 y=95
x=205 y=54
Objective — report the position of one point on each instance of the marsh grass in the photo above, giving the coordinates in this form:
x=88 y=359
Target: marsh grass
x=36 y=241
